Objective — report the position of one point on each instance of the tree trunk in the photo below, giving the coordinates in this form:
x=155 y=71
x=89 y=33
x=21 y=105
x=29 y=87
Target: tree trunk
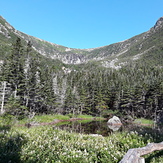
x=15 y=92
x=3 y=97
x=133 y=155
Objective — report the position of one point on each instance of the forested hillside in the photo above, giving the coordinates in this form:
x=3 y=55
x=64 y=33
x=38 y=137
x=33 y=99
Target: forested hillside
x=124 y=78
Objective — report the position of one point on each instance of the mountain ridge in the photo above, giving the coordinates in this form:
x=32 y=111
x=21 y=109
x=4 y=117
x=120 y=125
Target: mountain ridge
x=106 y=54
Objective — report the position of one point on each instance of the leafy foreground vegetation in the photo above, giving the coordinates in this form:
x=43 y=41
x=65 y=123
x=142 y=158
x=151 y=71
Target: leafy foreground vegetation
x=47 y=118
x=144 y=121
x=43 y=118
x=47 y=144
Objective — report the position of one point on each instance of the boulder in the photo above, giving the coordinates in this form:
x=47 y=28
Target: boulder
x=114 y=121
x=114 y=127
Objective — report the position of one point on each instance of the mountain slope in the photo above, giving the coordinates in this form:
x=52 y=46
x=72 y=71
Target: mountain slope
x=114 y=55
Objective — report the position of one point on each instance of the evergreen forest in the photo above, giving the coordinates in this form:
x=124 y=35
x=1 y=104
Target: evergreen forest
x=31 y=83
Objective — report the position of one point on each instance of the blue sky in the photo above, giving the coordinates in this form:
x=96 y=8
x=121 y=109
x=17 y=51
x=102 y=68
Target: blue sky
x=82 y=23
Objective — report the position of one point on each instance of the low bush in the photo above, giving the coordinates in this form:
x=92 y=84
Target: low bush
x=45 y=144
x=144 y=121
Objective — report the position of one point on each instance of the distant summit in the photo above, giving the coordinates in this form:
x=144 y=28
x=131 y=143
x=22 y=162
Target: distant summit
x=159 y=23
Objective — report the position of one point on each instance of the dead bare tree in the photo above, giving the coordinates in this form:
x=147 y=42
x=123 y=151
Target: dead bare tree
x=134 y=155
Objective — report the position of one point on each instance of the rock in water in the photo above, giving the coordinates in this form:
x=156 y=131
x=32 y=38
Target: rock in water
x=114 y=121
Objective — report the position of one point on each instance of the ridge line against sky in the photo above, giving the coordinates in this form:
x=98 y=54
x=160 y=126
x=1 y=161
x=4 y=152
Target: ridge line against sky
x=82 y=24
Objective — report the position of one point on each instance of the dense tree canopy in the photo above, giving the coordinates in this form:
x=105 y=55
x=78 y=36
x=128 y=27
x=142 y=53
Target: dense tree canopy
x=39 y=85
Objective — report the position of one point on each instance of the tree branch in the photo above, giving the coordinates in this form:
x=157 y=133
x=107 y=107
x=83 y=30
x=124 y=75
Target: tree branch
x=134 y=155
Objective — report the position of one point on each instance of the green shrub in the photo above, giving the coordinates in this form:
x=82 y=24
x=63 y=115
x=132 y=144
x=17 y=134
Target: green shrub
x=144 y=121
x=84 y=116
x=10 y=146
x=48 y=145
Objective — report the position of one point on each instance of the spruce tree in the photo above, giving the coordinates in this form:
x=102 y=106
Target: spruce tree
x=15 y=74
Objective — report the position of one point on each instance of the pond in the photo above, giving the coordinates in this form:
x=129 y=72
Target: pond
x=102 y=128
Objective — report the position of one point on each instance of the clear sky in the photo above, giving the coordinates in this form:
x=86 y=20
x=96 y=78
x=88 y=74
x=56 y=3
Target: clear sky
x=82 y=23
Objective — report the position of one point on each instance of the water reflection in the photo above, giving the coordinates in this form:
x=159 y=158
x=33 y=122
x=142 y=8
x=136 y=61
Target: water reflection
x=102 y=128
x=93 y=127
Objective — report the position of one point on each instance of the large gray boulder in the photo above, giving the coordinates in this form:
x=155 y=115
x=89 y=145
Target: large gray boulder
x=114 y=121
x=114 y=127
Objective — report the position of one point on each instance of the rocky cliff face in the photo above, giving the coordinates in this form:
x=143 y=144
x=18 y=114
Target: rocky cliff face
x=159 y=23
x=4 y=31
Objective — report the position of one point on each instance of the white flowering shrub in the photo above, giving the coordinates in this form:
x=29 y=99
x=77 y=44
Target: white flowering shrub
x=46 y=145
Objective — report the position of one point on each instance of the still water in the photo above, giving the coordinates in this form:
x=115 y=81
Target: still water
x=102 y=128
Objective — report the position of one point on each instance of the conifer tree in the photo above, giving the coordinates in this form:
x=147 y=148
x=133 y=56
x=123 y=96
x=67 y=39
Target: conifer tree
x=14 y=77
x=15 y=74
x=31 y=83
